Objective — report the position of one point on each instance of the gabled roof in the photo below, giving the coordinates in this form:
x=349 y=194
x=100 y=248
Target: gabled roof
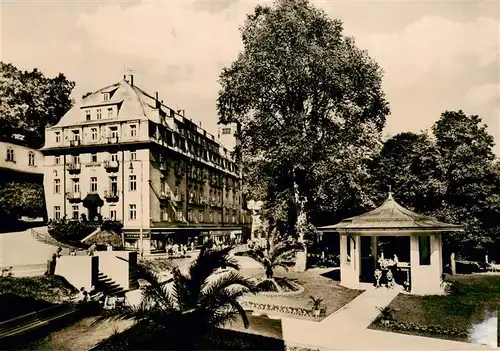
x=133 y=103
x=391 y=216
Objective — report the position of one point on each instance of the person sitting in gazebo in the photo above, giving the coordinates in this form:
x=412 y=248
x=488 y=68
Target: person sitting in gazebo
x=378 y=276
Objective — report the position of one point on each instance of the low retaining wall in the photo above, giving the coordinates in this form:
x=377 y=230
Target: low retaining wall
x=79 y=271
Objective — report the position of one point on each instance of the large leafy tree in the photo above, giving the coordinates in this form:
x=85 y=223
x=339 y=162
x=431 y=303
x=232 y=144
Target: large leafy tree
x=193 y=302
x=29 y=102
x=310 y=109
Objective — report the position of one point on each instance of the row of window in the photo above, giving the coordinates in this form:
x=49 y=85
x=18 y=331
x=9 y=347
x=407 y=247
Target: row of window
x=10 y=157
x=205 y=151
x=132 y=214
x=75 y=212
x=94 y=133
x=192 y=216
x=132 y=186
x=113 y=182
x=75 y=159
x=88 y=114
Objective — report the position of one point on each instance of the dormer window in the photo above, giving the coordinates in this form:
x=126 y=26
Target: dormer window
x=105 y=96
x=87 y=115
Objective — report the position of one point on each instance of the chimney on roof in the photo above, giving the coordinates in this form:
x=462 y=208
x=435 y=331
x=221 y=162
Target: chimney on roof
x=132 y=79
x=124 y=77
x=156 y=96
x=200 y=124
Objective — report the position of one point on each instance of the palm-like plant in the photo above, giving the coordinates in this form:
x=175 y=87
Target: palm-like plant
x=316 y=303
x=275 y=252
x=192 y=302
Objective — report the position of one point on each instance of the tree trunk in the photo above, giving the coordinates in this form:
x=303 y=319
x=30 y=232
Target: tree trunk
x=300 y=227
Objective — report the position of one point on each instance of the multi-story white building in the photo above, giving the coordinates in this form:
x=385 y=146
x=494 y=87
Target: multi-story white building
x=124 y=155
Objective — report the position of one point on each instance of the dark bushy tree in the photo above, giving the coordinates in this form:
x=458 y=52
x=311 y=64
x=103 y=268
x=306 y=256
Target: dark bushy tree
x=22 y=199
x=451 y=175
x=30 y=102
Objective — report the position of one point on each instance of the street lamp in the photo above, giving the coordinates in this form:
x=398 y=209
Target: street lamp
x=141 y=238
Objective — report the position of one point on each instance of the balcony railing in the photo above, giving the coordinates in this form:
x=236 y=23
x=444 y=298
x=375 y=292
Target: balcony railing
x=164 y=195
x=112 y=140
x=111 y=165
x=73 y=196
x=74 y=167
x=111 y=194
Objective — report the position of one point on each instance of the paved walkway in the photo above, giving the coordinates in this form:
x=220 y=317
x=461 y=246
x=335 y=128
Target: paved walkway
x=346 y=329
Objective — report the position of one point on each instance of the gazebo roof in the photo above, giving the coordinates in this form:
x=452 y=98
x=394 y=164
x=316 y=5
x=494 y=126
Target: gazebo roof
x=391 y=217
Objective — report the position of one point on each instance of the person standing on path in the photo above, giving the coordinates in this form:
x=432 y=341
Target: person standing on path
x=51 y=264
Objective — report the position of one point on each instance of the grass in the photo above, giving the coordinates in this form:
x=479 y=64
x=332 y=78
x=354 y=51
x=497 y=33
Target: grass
x=470 y=296
x=315 y=282
x=28 y=294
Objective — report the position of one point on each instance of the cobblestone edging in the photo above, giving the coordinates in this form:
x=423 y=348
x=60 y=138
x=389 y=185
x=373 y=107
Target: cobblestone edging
x=298 y=311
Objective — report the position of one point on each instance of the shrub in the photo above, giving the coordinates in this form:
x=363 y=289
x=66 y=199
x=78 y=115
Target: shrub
x=68 y=231
x=266 y=285
x=112 y=226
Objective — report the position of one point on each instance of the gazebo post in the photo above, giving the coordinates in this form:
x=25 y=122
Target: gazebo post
x=374 y=251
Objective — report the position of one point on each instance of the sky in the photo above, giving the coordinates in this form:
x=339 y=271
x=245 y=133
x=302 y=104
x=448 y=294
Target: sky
x=436 y=55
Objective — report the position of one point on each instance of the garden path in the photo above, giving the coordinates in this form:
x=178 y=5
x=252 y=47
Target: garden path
x=346 y=329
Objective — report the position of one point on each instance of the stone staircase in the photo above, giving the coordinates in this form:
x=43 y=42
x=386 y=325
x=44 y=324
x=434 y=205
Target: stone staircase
x=108 y=286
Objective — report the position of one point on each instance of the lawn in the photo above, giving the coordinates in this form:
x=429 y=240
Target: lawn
x=24 y=295
x=470 y=296
x=317 y=282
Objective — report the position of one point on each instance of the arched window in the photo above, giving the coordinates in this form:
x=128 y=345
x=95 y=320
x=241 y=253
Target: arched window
x=31 y=158
x=10 y=155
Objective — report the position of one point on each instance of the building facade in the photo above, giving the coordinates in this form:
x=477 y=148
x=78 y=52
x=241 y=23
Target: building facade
x=19 y=158
x=124 y=155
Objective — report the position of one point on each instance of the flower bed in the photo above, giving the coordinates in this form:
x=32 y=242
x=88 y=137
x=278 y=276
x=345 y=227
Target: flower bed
x=426 y=329
x=305 y=312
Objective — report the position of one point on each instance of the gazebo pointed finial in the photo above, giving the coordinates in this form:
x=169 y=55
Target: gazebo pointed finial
x=390 y=193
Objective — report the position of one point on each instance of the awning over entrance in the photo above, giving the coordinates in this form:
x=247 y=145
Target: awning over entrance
x=92 y=200
x=391 y=217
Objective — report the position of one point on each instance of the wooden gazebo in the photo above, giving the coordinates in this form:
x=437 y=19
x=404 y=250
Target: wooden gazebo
x=392 y=219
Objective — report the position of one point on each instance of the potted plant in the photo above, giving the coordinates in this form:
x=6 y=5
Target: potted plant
x=316 y=304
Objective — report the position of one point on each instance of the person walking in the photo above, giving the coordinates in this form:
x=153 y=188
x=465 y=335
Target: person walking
x=92 y=249
x=51 y=264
